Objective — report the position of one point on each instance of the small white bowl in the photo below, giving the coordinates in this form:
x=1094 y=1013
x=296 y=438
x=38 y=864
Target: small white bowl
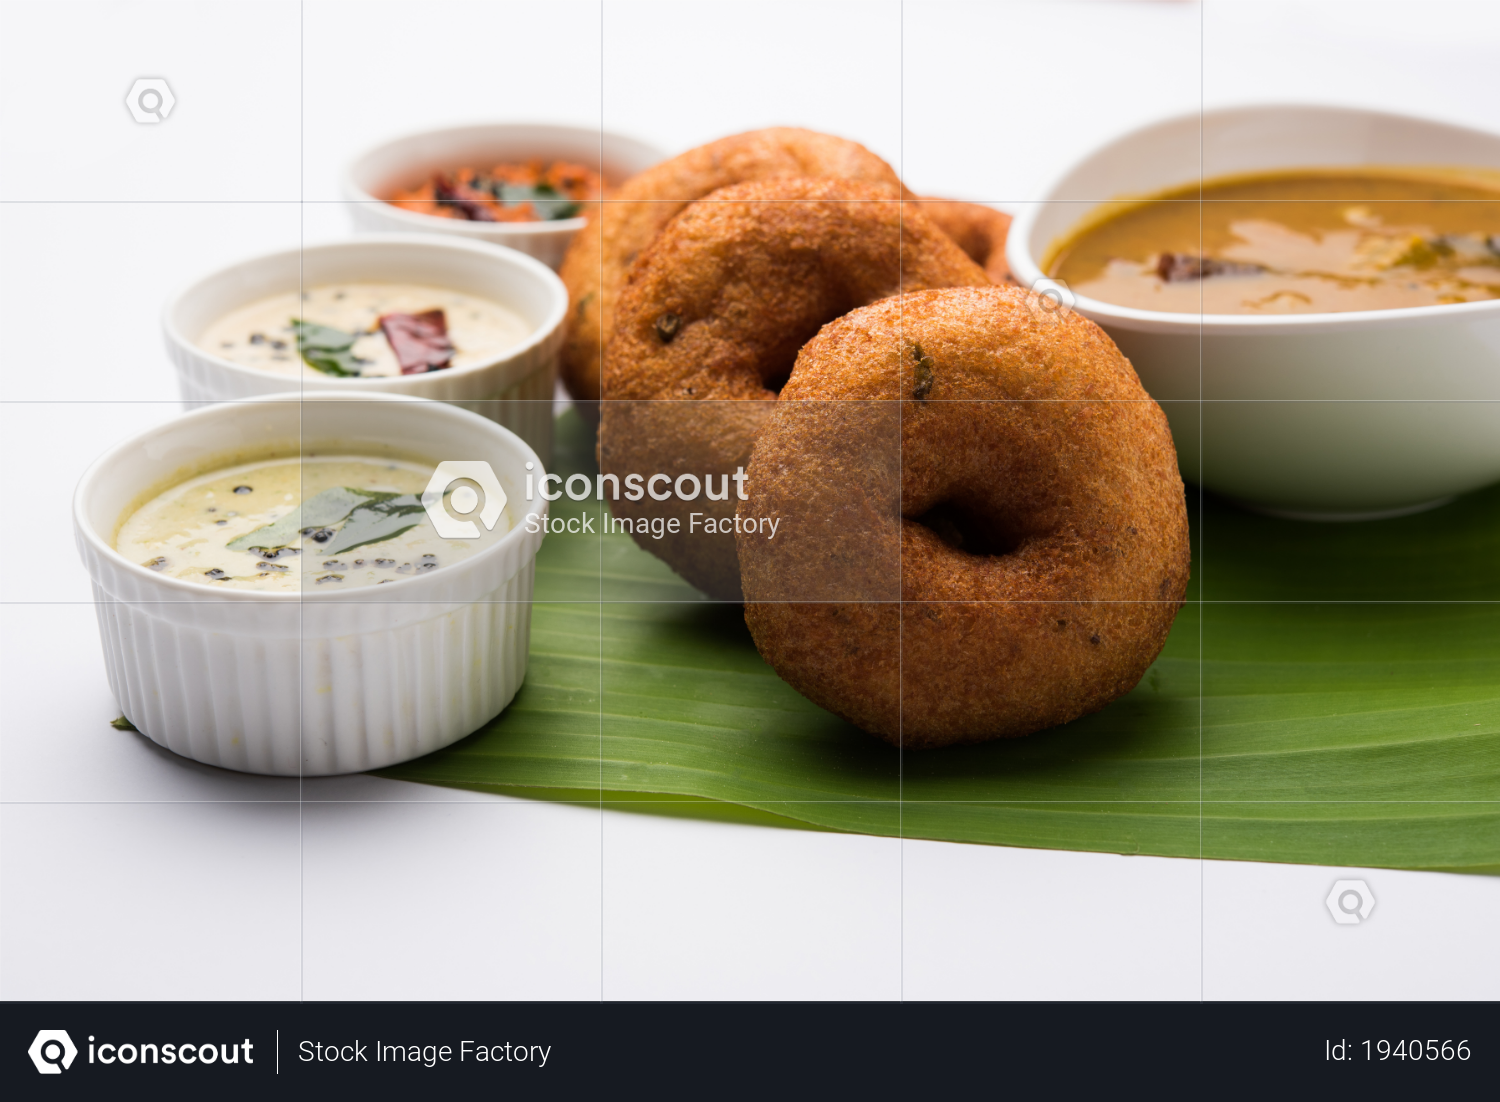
x=515 y=389
x=314 y=683
x=1322 y=416
x=409 y=161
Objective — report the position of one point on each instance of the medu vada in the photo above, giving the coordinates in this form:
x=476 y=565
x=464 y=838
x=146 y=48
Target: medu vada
x=979 y=231
x=709 y=324
x=1023 y=499
x=595 y=266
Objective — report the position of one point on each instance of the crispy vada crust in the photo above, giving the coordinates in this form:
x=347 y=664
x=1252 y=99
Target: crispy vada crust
x=1042 y=527
x=980 y=232
x=596 y=264
x=711 y=321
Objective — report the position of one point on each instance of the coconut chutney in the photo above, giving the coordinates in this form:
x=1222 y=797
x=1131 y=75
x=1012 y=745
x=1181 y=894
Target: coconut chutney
x=263 y=334
x=314 y=522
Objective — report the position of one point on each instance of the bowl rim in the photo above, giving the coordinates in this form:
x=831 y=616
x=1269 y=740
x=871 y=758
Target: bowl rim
x=540 y=335
x=86 y=531
x=1027 y=271
x=354 y=192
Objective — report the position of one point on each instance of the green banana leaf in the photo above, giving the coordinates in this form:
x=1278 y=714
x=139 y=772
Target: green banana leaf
x=1330 y=695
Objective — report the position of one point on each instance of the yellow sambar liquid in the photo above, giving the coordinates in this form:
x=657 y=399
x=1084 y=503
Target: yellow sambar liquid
x=1323 y=241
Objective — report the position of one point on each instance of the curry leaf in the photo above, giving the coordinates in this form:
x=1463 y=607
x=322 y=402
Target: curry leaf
x=318 y=511
x=326 y=349
x=550 y=204
x=378 y=521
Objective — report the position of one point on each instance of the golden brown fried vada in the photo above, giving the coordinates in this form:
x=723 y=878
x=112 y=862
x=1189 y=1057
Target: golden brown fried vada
x=979 y=230
x=1035 y=520
x=596 y=264
x=708 y=327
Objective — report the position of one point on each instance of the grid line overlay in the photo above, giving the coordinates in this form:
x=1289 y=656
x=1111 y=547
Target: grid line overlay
x=604 y=800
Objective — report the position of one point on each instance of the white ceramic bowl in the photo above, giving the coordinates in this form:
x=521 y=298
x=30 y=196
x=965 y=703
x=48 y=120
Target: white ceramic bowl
x=1326 y=416
x=319 y=682
x=516 y=389
x=407 y=162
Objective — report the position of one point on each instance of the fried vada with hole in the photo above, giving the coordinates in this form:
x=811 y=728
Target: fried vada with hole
x=596 y=264
x=1032 y=513
x=979 y=231
x=710 y=323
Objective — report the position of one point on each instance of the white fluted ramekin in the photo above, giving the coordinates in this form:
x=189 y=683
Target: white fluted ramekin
x=319 y=682
x=406 y=162
x=515 y=389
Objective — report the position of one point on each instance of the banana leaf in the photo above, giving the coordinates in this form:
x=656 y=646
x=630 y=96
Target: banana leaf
x=1330 y=694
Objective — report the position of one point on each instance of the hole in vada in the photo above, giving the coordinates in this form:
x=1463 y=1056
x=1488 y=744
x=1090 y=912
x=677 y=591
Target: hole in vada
x=966 y=531
x=776 y=377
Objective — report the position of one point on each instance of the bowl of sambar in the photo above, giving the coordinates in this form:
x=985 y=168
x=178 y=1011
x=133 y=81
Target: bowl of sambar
x=1312 y=294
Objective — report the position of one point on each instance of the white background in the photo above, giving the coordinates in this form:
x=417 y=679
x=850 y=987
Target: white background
x=126 y=872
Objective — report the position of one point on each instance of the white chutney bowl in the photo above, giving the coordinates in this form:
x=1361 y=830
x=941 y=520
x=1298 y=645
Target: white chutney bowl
x=318 y=682
x=515 y=389
x=1322 y=416
x=406 y=162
